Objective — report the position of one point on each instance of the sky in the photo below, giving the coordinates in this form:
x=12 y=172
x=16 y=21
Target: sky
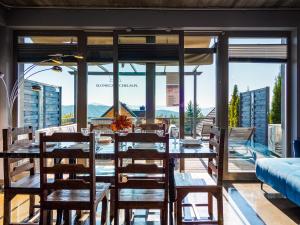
x=248 y=76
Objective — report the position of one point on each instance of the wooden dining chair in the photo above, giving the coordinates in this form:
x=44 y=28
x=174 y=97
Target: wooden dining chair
x=69 y=192
x=150 y=127
x=211 y=183
x=19 y=173
x=135 y=190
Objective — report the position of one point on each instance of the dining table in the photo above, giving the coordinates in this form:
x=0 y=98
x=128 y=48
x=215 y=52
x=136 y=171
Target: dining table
x=106 y=152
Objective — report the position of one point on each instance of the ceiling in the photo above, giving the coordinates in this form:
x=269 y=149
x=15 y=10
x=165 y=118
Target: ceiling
x=187 y=4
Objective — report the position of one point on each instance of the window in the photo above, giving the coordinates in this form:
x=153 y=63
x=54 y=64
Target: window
x=46 y=98
x=255 y=102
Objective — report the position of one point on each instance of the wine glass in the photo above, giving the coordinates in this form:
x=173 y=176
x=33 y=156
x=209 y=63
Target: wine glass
x=97 y=139
x=160 y=133
x=175 y=134
x=85 y=131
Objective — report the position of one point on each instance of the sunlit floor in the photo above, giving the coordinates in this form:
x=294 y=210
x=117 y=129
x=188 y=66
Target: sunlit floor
x=20 y=211
x=259 y=207
x=244 y=203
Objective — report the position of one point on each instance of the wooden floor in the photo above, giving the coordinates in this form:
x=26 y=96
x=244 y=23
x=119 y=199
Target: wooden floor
x=244 y=203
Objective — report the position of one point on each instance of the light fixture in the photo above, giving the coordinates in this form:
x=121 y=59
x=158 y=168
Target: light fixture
x=57 y=60
x=56 y=69
x=168 y=29
x=36 y=88
x=61 y=56
x=128 y=29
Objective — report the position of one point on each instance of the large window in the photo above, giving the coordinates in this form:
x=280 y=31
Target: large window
x=47 y=72
x=199 y=85
x=167 y=94
x=100 y=90
x=46 y=98
x=257 y=71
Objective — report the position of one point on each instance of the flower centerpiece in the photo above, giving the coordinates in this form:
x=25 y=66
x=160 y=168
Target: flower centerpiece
x=121 y=123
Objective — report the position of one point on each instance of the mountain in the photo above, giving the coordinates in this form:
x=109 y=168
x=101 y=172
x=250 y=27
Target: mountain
x=95 y=110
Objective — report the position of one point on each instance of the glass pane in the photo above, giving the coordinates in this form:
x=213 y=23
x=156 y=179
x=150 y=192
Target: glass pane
x=151 y=39
x=100 y=90
x=199 y=41
x=255 y=119
x=204 y=75
x=167 y=94
x=47 y=40
x=103 y=40
x=267 y=40
x=46 y=98
x=132 y=90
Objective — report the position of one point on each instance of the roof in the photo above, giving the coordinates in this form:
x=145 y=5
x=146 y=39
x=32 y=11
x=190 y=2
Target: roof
x=198 y=4
x=123 y=105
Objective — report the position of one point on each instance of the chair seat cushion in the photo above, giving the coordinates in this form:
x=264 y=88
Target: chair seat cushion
x=293 y=187
x=141 y=195
x=28 y=182
x=185 y=180
x=78 y=195
x=275 y=171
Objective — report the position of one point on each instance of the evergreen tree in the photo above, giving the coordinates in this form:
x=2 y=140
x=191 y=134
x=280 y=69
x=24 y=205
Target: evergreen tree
x=234 y=108
x=189 y=117
x=275 y=114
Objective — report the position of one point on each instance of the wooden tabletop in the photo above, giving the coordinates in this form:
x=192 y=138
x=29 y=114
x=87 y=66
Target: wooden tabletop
x=107 y=151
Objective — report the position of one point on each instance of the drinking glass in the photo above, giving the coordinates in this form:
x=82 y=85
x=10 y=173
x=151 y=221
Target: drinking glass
x=138 y=130
x=175 y=134
x=97 y=139
x=160 y=133
x=85 y=131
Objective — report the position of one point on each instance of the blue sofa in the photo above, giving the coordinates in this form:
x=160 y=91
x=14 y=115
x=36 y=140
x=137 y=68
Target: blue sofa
x=282 y=174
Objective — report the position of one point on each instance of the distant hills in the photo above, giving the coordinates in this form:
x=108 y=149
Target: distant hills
x=95 y=110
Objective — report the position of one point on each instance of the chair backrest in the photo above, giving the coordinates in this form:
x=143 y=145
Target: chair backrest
x=206 y=129
x=13 y=167
x=216 y=143
x=240 y=134
x=131 y=171
x=150 y=127
x=71 y=167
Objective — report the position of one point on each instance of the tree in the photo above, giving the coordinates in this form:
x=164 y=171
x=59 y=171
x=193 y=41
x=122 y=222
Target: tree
x=234 y=108
x=275 y=114
x=189 y=116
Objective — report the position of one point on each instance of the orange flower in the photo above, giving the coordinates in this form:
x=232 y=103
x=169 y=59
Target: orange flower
x=121 y=123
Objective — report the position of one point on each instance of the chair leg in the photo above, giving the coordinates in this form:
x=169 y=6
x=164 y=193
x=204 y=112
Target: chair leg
x=59 y=217
x=127 y=217
x=104 y=211
x=7 y=209
x=116 y=215
x=179 y=210
x=210 y=205
x=31 y=205
x=67 y=217
x=164 y=216
x=93 y=216
x=220 y=208
x=111 y=204
x=44 y=217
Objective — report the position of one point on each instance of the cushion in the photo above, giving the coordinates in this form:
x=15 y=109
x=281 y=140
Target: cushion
x=274 y=171
x=293 y=187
